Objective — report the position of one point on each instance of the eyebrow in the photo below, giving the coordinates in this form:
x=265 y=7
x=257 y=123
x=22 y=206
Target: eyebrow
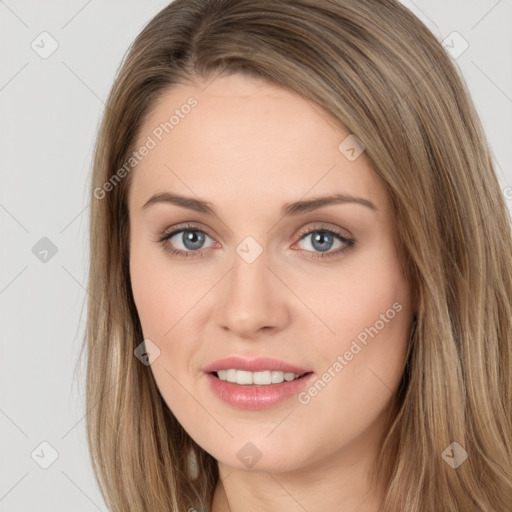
x=288 y=209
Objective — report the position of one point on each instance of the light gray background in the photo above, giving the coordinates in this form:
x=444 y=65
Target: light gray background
x=50 y=110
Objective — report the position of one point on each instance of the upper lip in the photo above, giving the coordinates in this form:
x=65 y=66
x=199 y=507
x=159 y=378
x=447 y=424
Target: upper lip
x=258 y=364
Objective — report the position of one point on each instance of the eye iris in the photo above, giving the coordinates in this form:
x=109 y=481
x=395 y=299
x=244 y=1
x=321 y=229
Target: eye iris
x=192 y=237
x=321 y=236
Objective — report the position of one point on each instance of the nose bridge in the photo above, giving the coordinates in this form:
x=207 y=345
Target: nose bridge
x=251 y=300
x=250 y=270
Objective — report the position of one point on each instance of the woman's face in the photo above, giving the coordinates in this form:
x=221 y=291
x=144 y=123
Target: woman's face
x=267 y=269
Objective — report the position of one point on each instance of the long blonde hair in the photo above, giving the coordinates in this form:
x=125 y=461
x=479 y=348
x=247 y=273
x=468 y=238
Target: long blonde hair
x=383 y=76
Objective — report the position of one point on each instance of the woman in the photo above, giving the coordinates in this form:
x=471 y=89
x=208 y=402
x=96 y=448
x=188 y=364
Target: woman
x=235 y=362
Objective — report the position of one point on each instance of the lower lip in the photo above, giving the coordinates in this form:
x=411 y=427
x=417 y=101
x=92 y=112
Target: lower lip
x=256 y=397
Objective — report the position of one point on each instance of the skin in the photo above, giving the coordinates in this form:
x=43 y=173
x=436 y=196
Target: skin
x=248 y=147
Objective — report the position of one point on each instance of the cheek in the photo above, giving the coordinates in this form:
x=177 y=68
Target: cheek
x=153 y=298
x=375 y=308
x=369 y=315
x=160 y=295
x=162 y=303
x=365 y=298
x=166 y=299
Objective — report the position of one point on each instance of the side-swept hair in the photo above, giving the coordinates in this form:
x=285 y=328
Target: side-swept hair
x=384 y=77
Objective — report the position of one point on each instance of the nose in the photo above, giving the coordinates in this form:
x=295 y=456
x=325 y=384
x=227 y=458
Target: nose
x=253 y=300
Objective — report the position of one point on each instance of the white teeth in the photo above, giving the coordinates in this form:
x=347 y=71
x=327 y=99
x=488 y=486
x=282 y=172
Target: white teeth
x=264 y=378
x=277 y=377
x=243 y=377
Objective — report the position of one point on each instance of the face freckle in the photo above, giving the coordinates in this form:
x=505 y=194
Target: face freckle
x=318 y=288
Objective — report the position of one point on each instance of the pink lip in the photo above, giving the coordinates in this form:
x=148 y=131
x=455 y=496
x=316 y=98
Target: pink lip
x=256 y=397
x=254 y=365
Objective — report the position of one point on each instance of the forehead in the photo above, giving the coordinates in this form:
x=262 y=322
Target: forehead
x=244 y=138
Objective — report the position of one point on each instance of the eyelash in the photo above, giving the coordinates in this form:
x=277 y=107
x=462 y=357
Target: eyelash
x=165 y=236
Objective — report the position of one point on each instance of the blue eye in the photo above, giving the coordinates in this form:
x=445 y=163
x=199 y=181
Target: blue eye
x=323 y=239
x=192 y=240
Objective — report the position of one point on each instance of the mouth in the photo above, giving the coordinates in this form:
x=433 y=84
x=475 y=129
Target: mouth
x=256 y=379
x=256 y=384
